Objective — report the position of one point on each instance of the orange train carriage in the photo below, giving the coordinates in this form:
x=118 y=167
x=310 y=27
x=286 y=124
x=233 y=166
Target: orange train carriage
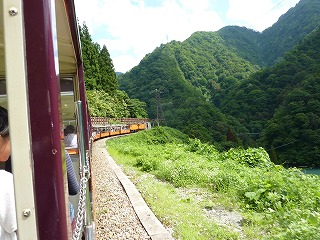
x=106 y=127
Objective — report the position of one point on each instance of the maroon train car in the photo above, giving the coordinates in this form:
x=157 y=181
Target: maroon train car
x=42 y=86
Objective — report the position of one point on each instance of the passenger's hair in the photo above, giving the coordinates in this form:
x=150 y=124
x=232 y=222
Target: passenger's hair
x=69 y=129
x=4 y=124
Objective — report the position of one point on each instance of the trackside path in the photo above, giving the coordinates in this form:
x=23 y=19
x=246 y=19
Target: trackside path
x=120 y=211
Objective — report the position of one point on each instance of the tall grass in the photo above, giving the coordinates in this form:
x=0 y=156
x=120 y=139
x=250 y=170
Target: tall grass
x=276 y=203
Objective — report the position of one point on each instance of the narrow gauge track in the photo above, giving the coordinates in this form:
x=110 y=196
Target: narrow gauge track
x=120 y=211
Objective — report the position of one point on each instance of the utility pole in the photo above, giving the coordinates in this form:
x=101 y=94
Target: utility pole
x=160 y=115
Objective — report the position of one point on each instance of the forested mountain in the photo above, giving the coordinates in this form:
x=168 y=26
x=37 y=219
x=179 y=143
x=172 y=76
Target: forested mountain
x=289 y=30
x=178 y=82
x=265 y=48
x=213 y=86
x=170 y=98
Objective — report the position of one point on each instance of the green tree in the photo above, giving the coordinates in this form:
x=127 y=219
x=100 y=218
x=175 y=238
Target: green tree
x=107 y=76
x=90 y=54
x=137 y=108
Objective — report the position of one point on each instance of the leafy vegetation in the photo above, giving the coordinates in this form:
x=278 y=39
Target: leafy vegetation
x=115 y=105
x=275 y=203
x=98 y=66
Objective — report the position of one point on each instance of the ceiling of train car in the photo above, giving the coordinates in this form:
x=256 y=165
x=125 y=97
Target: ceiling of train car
x=67 y=60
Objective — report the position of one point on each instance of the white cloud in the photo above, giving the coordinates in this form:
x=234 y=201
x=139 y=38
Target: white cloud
x=257 y=14
x=130 y=29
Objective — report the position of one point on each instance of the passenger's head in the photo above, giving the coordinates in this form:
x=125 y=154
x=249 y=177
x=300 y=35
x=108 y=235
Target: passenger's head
x=69 y=129
x=5 y=149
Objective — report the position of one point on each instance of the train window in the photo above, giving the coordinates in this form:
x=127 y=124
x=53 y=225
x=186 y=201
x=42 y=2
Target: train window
x=67 y=100
x=66 y=84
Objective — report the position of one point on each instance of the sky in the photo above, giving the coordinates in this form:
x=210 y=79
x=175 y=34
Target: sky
x=130 y=29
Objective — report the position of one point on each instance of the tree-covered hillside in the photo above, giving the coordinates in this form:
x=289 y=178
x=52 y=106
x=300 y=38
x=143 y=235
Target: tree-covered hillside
x=201 y=85
x=289 y=30
x=286 y=107
x=171 y=98
x=244 y=42
x=211 y=65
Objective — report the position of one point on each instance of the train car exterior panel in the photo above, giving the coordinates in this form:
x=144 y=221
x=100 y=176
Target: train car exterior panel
x=104 y=134
x=134 y=127
x=124 y=131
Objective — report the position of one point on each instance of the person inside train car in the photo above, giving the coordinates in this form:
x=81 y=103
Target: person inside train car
x=8 y=222
x=70 y=137
x=73 y=186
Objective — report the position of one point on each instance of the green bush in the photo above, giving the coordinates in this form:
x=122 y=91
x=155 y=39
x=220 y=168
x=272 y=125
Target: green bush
x=252 y=157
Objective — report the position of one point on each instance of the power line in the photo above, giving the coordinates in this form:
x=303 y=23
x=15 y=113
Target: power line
x=289 y=14
x=283 y=145
x=274 y=7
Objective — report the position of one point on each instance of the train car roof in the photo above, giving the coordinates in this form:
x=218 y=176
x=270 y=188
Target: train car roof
x=67 y=35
